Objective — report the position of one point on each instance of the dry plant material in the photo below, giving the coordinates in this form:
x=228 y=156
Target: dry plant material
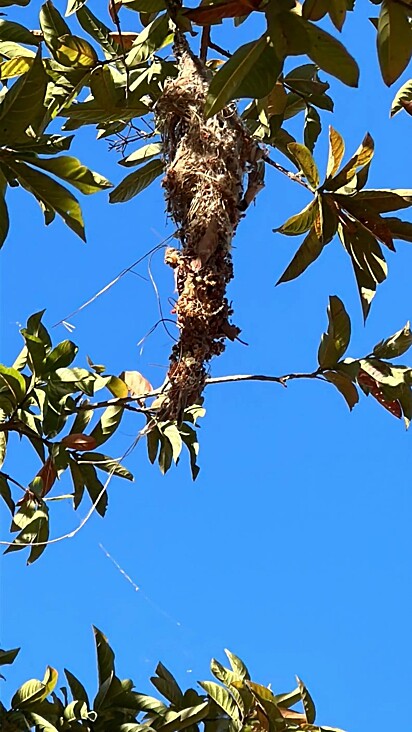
x=206 y=162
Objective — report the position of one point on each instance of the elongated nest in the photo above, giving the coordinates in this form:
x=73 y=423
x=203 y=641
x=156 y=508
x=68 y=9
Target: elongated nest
x=206 y=161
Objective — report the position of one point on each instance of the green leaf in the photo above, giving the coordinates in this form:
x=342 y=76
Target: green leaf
x=165 y=454
x=103 y=88
x=61 y=356
x=189 y=438
x=394 y=40
x=367 y=260
x=42 y=536
x=107 y=424
x=336 y=340
x=242 y=76
x=8 y=657
x=153 y=441
x=361 y=158
x=105 y=656
x=99 y=32
x=312 y=128
x=308 y=252
x=155 y=36
x=30 y=692
x=308 y=704
x=77 y=689
x=306 y=163
x=238 y=667
x=15 y=67
x=142 y=155
x=22 y=106
x=315 y=9
x=136 y=182
x=53 y=195
x=167 y=685
x=13 y=382
x=6 y=495
x=78 y=485
x=36 y=352
x=396 y=345
x=103 y=462
x=74 y=52
x=222 y=697
x=337 y=13
x=95 y=488
x=331 y=55
x=10 y=31
x=171 y=432
x=52 y=24
x=71 y=170
x=383 y=200
x=117 y=387
x=301 y=222
x=4 y=214
x=42 y=724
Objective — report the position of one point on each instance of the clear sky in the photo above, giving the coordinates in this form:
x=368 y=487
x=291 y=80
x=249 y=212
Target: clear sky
x=293 y=546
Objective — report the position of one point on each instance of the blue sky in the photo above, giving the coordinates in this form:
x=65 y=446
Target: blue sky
x=293 y=546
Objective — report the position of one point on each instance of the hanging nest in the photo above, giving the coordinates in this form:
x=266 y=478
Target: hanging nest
x=206 y=162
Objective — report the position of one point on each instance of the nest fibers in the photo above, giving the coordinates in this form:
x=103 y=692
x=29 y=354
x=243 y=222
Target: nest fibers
x=206 y=161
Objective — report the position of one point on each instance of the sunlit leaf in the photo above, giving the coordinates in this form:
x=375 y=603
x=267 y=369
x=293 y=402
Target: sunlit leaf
x=306 y=162
x=403 y=99
x=301 y=222
x=71 y=170
x=336 y=152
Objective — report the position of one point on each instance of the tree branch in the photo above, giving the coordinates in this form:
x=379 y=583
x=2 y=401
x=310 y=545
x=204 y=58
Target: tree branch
x=283 y=170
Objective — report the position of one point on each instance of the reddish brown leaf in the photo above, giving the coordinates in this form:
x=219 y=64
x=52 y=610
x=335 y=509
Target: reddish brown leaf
x=377 y=226
x=207 y=14
x=407 y=107
x=114 y=7
x=79 y=442
x=48 y=475
x=136 y=383
x=125 y=40
x=392 y=405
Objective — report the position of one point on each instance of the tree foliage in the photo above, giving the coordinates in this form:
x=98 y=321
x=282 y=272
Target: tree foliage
x=233 y=703
x=208 y=128
x=156 y=86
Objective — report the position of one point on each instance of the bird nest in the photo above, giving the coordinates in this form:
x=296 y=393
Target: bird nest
x=206 y=161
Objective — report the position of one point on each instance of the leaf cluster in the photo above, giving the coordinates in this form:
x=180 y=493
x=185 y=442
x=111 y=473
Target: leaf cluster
x=43 y=396
x=235 y=704
x=342 y=206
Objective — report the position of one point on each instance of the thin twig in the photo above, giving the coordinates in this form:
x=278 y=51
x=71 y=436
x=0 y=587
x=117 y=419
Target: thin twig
x=204 y=43
x=113 y=282
x=281 y=169
x=115 y=17
x=15 y=482
x=219 y=49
